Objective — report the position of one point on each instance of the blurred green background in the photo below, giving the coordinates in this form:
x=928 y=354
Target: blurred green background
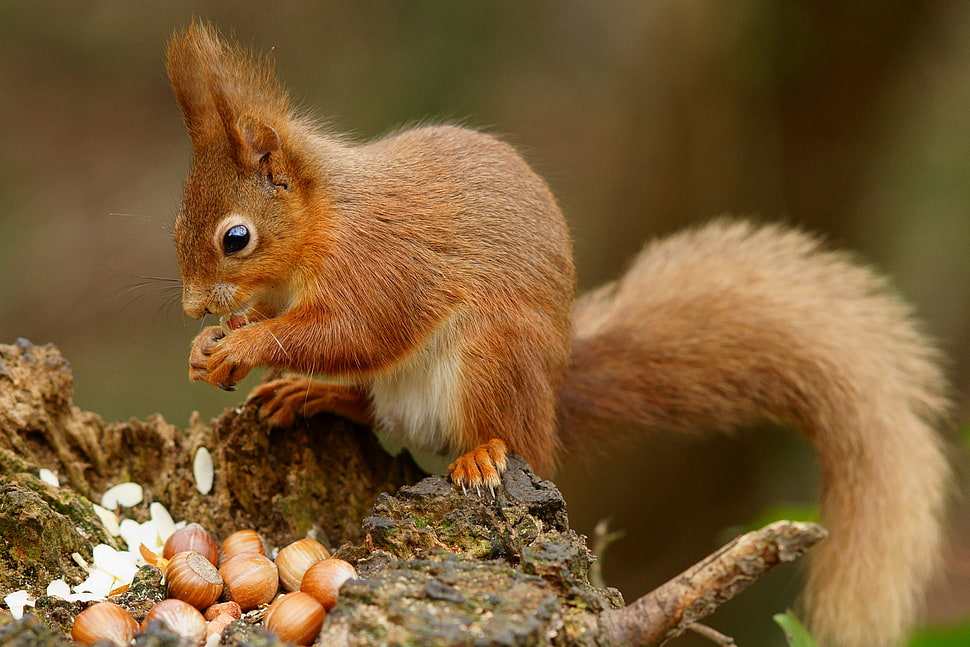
x=852 y=119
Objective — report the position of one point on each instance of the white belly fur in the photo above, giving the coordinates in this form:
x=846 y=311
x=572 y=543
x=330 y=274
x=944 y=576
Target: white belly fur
x=416 y=403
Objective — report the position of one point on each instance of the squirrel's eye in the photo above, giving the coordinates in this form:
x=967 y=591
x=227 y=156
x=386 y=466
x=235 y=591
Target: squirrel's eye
x=235 y=239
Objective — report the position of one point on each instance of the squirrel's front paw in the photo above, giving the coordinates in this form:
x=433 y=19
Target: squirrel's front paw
x=202 y=347
x=211 y=360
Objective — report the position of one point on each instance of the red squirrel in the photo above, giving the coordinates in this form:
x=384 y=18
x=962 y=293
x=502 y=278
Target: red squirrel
x=428 y=276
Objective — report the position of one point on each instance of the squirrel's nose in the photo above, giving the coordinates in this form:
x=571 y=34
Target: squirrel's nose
x=194 y=303
x=194 y=312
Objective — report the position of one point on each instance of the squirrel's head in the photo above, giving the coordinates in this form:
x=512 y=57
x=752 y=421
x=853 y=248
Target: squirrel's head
x=239 y=232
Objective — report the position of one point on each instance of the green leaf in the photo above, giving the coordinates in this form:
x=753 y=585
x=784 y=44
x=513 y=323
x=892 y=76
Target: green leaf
x=956 y=636
x=787 y=511
x=795 y=631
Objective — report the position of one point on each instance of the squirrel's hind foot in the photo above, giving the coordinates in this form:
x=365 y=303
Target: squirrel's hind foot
x=280 y=401
x=482 y=466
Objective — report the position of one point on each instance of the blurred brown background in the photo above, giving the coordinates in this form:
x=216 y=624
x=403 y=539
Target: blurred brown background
x=645 y=116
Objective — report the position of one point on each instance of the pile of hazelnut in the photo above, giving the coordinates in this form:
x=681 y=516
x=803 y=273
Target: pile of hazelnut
x=198 y=574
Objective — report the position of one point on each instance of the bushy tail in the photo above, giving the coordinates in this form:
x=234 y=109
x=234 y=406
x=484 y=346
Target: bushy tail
x=732 y=324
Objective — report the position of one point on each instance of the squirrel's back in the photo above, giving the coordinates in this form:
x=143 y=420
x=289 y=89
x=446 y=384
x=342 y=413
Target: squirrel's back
x=471 y=199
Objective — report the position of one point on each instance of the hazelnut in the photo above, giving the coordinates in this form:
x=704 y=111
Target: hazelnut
x=192 y=578
x=295 y=617
x=241 y=541
x=231 y=322
x=192 y=537
x=324 y=579
x=180 y=617
x=251 y=579
x=104 y=621
x=294 y=560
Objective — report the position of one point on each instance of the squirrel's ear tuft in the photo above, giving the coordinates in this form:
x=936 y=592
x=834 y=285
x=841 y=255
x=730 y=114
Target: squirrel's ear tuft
x=226 y=93
x=193 y=57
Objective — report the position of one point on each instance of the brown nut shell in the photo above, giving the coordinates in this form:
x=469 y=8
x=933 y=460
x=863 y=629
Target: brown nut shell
x=192 y=537
x=104 y=621
x=294 y=560
x=229 y=608
x=241 y=541
x=192 y=578
x=180 y=617
x=251 y=579
x=217 y=624
x=295 y=617
x=324 y=579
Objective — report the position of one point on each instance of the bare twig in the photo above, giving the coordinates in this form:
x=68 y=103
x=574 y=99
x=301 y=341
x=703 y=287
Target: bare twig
x=669 y=609
x=599 y=542
x=712 y=634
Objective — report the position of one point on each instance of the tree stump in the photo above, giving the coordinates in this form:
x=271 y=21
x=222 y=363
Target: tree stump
x=437 y=566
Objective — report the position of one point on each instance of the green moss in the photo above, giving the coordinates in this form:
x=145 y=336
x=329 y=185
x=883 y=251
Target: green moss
x=11 y=464
x=36 y=539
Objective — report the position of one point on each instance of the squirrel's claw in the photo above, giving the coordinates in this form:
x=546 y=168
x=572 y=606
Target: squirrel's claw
x=482 y=466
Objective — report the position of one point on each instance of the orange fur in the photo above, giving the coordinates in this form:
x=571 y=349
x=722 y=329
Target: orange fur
x=429 y=276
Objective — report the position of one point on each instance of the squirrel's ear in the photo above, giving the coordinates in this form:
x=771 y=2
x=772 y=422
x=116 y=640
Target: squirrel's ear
x=193 y=56
x=258 y=139
x=225 y=92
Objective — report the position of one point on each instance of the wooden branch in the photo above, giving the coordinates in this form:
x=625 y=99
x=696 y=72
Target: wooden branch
x=712 y=634
x=668 y=610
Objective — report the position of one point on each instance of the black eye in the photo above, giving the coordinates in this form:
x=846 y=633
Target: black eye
x=235 y=239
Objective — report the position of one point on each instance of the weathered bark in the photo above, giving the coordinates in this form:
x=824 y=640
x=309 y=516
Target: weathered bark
x=437 y=567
